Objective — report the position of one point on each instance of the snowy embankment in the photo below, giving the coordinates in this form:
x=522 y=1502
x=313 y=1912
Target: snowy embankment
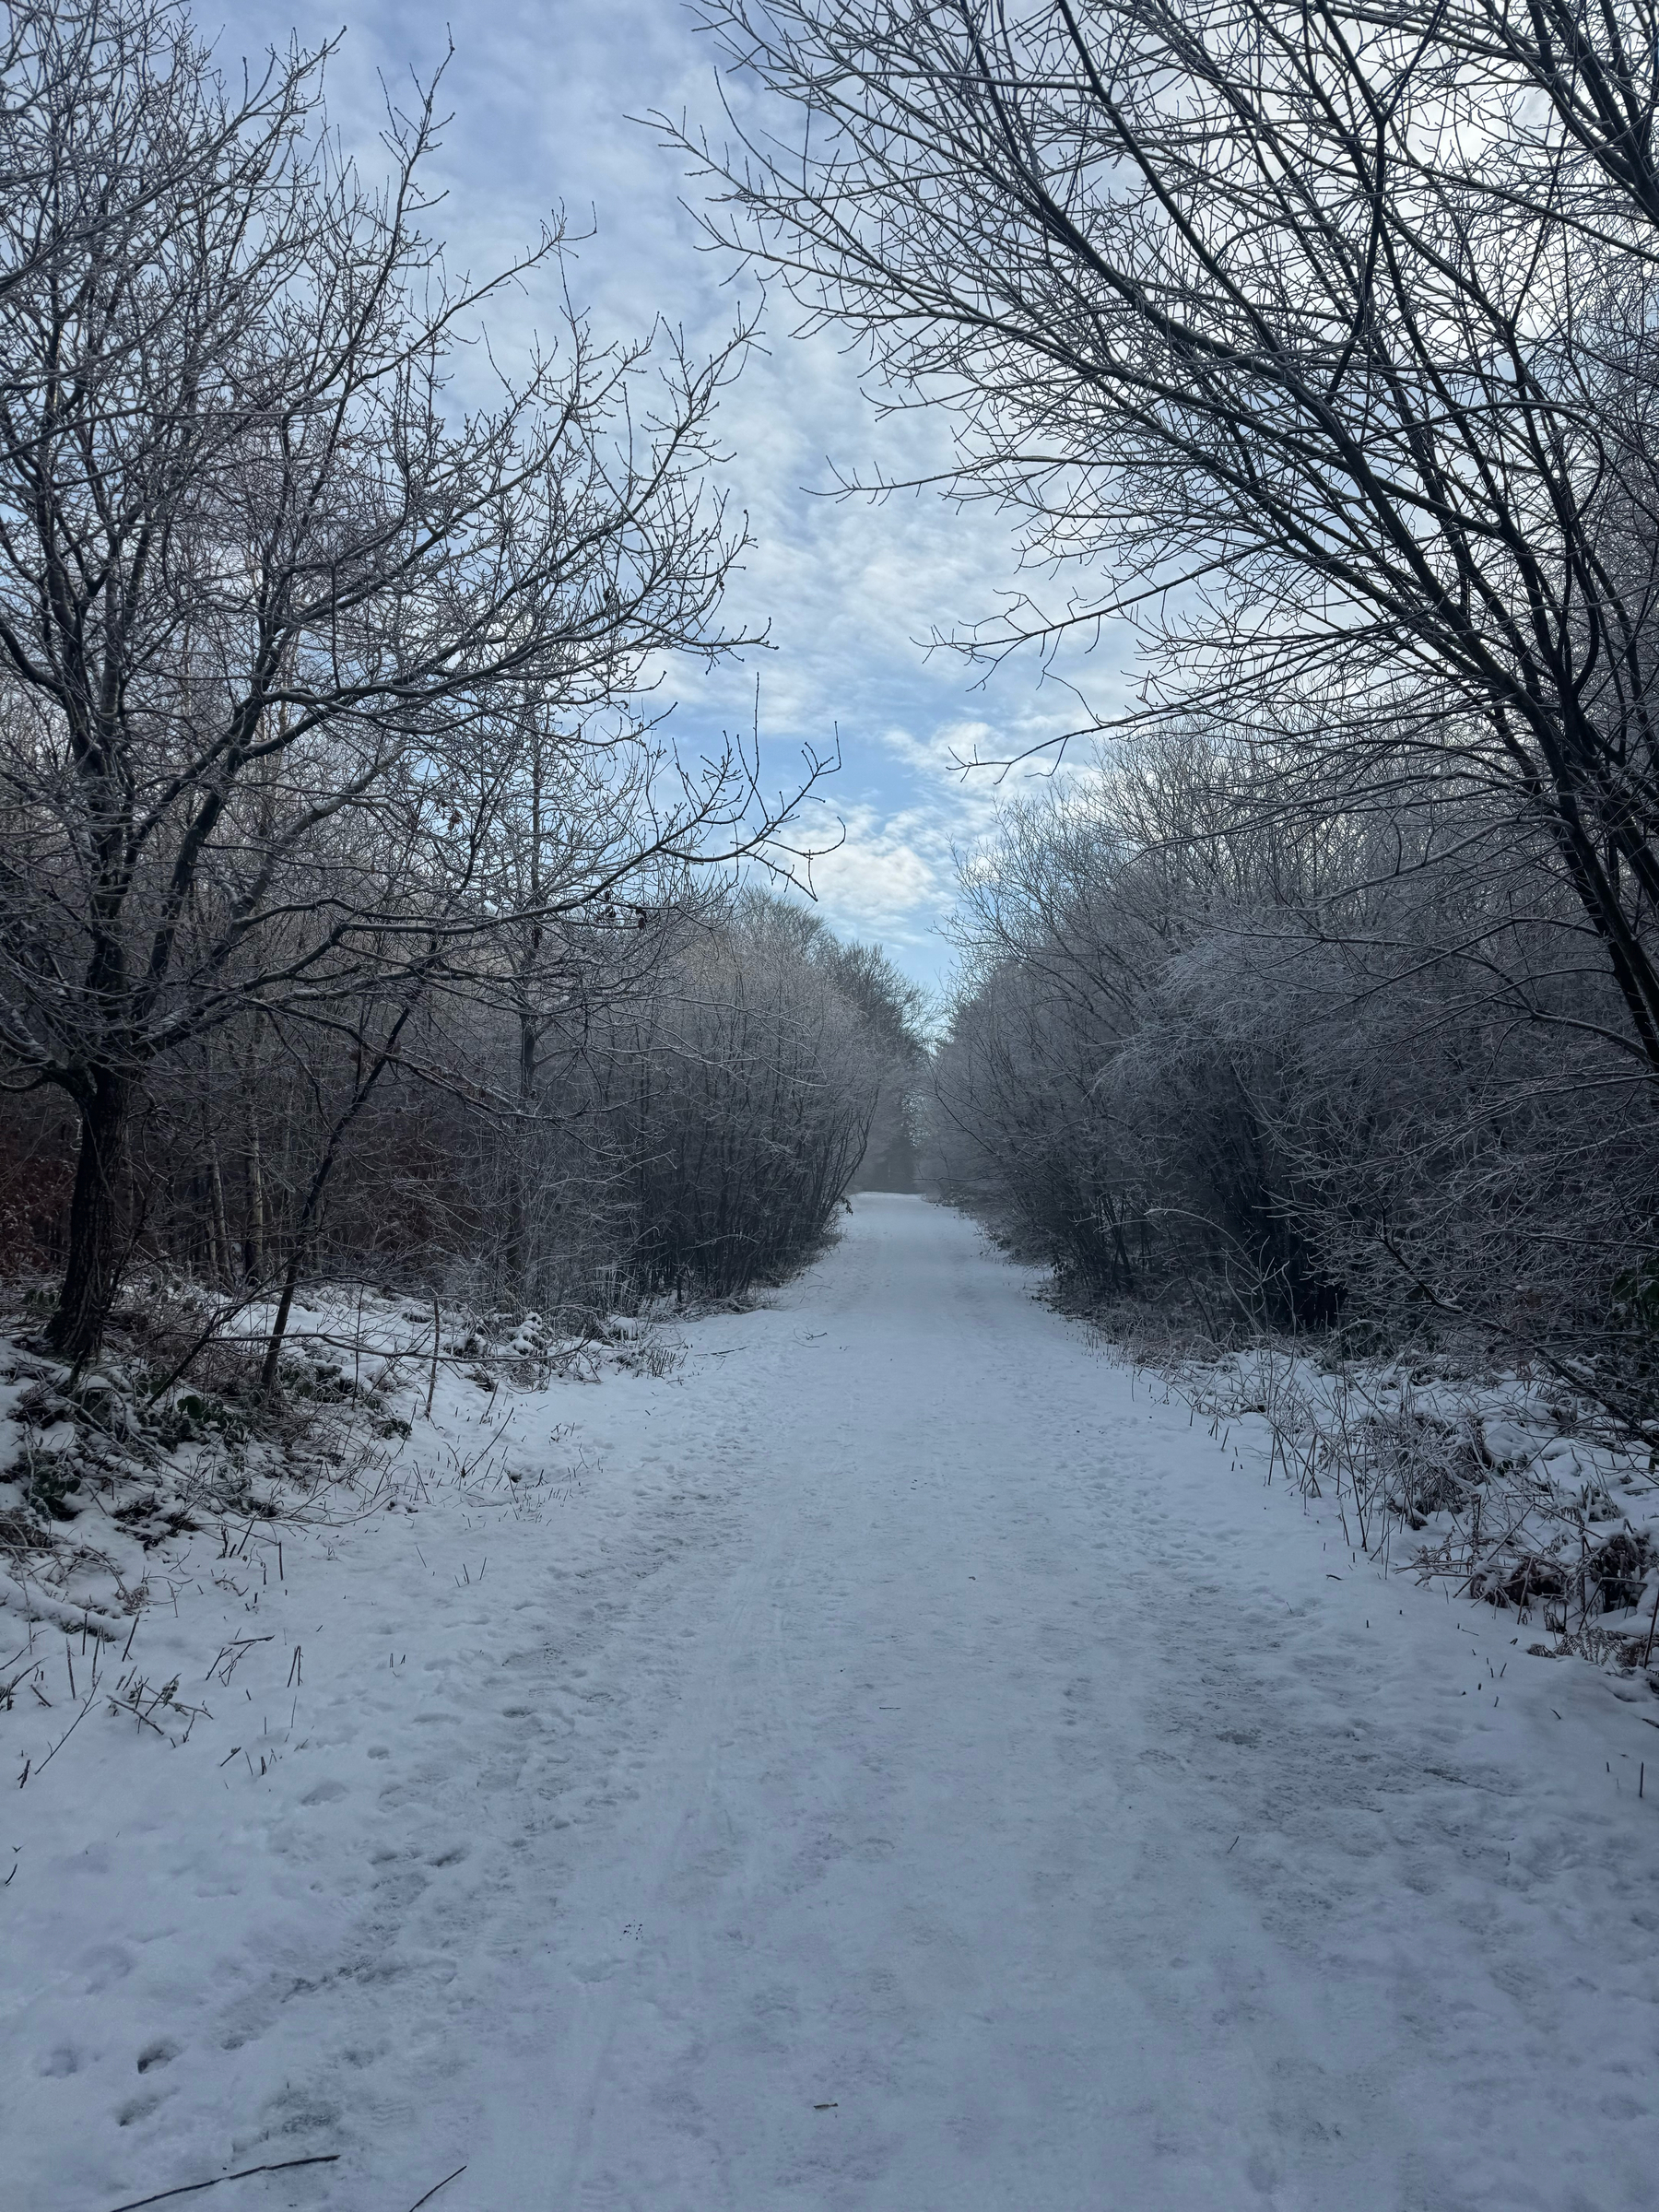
x=153 y=1439
x=894 y=1760
x=1515 y=1491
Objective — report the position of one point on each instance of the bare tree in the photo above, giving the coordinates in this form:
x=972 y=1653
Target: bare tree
x=270 y=584
x=1260 y=309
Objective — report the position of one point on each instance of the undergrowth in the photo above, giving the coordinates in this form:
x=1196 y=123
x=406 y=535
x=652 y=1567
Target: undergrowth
x=1504 y=1487
x=107 y=1469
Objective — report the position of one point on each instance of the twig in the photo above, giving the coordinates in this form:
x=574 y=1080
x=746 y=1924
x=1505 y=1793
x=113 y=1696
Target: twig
x=63 y=1739
x=328 y=2157
x=432 y=2193
x=219 y=1322
x=238 y=1648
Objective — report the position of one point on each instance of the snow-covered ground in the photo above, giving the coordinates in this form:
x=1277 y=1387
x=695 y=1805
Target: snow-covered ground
x=895 y=1761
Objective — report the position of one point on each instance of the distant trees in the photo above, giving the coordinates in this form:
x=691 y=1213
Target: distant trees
x=320 y=769
x=705 y=1069
x=758 y=1083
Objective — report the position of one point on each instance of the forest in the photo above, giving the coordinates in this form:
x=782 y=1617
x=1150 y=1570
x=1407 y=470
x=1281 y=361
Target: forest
x=360 y=915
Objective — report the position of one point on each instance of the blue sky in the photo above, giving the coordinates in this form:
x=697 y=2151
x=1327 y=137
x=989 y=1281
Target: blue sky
x=541 y=95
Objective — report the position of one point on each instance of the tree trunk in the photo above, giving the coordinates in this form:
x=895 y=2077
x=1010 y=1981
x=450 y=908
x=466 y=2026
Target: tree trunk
x=284 y=1306
x=309 y=1212
x=97 y=1220
x=223 y=1264
x=518 y=1221
x=253 y=1238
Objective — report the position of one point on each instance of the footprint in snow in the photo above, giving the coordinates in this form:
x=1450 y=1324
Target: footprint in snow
x=105 y=1964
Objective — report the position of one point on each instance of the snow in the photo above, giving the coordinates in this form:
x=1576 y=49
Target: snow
x=893 y=1761
x=1506 y=1487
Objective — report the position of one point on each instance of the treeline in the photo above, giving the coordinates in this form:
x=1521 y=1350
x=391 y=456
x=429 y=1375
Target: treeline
x=1273 y=1067
x=1318 y=349
x=667 y=1101
x=355 y=912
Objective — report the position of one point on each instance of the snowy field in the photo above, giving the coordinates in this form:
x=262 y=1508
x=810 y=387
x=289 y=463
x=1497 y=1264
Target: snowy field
x=894 y=1761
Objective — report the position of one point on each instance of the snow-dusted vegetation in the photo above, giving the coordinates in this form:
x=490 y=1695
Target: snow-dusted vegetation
x=1234 y=1080
x=565 y=1637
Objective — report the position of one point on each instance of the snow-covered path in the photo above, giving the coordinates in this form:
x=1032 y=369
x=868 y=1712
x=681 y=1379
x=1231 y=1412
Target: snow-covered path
x=907 y=1768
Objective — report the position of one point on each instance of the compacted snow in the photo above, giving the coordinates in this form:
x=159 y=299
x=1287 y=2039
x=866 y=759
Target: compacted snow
x=896 y=1762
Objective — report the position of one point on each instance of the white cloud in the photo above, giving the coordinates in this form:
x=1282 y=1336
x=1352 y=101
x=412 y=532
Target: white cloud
x=876 y=883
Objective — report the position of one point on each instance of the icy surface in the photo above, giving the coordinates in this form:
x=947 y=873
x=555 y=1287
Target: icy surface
x=894 y=1762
